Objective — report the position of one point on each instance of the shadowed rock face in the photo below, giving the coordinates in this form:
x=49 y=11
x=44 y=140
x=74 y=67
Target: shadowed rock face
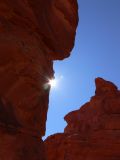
x=93 y=131
x=52 y=22
x=33 y=33
x=20 y=146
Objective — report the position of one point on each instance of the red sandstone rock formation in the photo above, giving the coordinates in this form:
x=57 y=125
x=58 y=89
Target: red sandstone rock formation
x=93 y=131
x=33 y=33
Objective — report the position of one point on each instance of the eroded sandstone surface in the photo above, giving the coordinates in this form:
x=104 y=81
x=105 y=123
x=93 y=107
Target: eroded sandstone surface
x=33 y=33
x=93 y=131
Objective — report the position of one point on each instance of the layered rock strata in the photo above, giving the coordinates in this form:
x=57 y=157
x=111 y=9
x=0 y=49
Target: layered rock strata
x=93 y=131
x=33 y=33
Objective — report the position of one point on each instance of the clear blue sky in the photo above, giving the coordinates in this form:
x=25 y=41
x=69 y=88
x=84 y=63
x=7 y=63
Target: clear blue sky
x=96 y=54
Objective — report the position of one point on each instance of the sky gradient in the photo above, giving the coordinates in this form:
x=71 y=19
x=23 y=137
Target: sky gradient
x=96 y=54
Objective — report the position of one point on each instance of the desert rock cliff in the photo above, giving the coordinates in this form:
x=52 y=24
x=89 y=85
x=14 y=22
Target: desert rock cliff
x=93 y=131
x=33 y=33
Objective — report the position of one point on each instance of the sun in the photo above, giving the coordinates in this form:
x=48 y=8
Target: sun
x=52 y=83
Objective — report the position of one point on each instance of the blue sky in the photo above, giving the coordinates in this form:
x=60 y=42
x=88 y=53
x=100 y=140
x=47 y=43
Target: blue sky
x=96 y=54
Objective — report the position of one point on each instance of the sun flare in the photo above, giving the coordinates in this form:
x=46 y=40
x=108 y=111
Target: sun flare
x=52 y=83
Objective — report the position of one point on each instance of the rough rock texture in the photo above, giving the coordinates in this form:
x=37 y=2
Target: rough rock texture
x=33 y=33
x=93 y=131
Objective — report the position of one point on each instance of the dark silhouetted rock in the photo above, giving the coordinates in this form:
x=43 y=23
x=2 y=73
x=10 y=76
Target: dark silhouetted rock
x=16 y=146
x=33 y=33
x=93 y=131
